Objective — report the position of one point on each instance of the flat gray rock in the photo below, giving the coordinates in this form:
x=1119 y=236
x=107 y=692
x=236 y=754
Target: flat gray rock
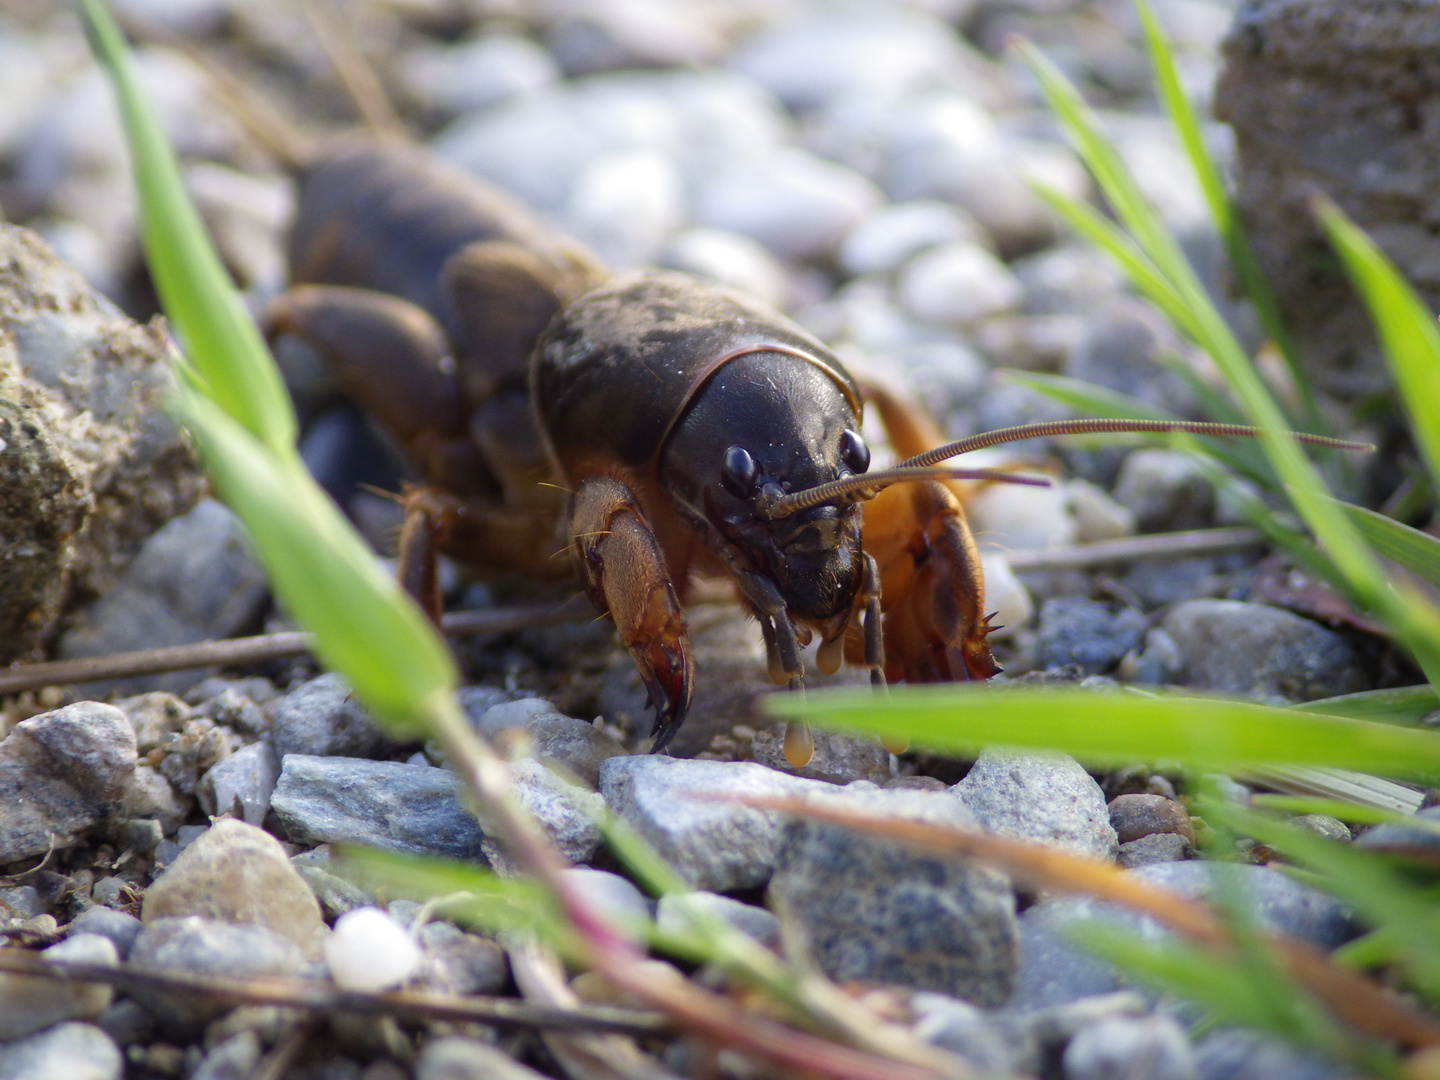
x=384 y=804
x=872 y=910
x=321 y=718
x=717 y=846
x=1077 y=630
x=241 y=784
x=578 y=746
x=1047 y=798
x=69 y=1051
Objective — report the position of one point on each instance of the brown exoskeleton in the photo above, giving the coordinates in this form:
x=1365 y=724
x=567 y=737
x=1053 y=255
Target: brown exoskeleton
x=674 y=426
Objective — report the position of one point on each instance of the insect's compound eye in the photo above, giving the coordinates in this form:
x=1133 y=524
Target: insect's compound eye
x=738 y=472
x=853 y=452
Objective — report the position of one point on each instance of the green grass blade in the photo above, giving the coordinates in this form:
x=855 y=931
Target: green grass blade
x=1406 y=705
x=364 y=625
x=1112 y=729
x=218 y=335
x=1087 y=397
x=1417 y=551
x=1222 y=210
x=1367 y=881
x=1336 y=808
x=1405 y=325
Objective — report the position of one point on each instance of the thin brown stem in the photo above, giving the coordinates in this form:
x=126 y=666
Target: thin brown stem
x=1154 y=548
x=234 y=652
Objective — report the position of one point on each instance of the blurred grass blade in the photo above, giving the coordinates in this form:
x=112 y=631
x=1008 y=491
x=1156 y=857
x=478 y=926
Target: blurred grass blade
x=1085 y=397
x=1406 y=328
x=1417 y=551
x=1222 y=210
x=470 y=893
x=1382 y=895
x=1111 y=729
x=1398 y=705
x=1336 y=808
x=364 y=626
x=220 y=339
x=1357 y=788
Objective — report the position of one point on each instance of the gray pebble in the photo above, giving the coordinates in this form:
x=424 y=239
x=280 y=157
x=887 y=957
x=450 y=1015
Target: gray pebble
x=199 y=946
x=69 y=1051
x=458 y=963
x=574 y=744
x=126 y=1022
x=149 y=796
x=718 y=846
x=1240 y=1054
x=321 y=718
x=889 y=237
x=757 y=922
x=408 y=808
x=194 y=580
x=1120 y=350
x=233 y=708
x=873 y=911
x=1235 y=647
x=612 y=895
x=839 y=758
x=958 y=283
x=1165 y=490
x=241 y=784
x=1329 y=827
x=455 y=79
x=730 y=259
x=1130 y=1048
x=1050 y=799
x=23 y=901
x=1055 y=972
x=61 y=773
x=1069 y=278
x=1401 y=836
x=1155 y=848
x=567 y=812
x=1076 y=630
x=1138 y=814
x=455 y=1057
x=234 y=1059
x=120 y=927
x=29 y=1003
x=990 y=1043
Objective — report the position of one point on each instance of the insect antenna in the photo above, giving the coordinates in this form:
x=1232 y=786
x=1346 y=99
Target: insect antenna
x=1093 y=427
x=865 y=486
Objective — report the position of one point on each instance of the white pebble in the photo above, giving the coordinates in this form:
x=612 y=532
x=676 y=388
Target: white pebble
x=1004 y=595
x=893 y=234
x=370 y=951
x=794 y=203
x=958 y=283
x=1014 y=517
x=626 y=205
x=731 y=259
x=457 y=78
x=1097 y=515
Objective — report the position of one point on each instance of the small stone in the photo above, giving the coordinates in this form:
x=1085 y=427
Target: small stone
x=797 y=205
x=731 y=259
x=839 y=758
x=958 y=283
x=1068 y=278
x=197 y=946
x=336 y=894
x=1243 y=1054
x=61 y=773
x=1013 y=517
x=241 y=784
x=384 y=804
x=1049 y=799
x=625 y=206
x=459 y=963
x=1233 y=647
x=156 y=717
x=23 y=901
x=140 y=835
x=1154 y=1047
x=127 y=1023
x=567 y=812
x=1077 y=630
x=673 y=915
x=194 y=580
x=369 y=951
x=69 y=1051
x=891 y=236
x=874 y=911
x=718 y=846
x=234 y=1059
x=322 y=719
x=1097 y=515
x=612 y=895
x=455 y=79
x=149 y=796
x=1134 y=816
x=988 y=1043
x=1005 y=595
x=1165 y=490
x=233 y=708
x=455 y=1057
x=237 y=873
x=1400 y=836
x=1155 y=848
x=29 y=1003
x=1324 y=825
x=120 y=927
x=1121 y=350
x=572 y=743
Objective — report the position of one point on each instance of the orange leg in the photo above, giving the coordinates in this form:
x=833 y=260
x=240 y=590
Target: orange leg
x=625 y=574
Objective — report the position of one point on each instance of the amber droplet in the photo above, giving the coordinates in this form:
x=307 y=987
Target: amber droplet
x=799 y=743
x=896 y=744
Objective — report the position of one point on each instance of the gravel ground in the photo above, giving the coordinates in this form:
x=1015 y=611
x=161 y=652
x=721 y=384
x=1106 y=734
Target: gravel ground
x=858 y=165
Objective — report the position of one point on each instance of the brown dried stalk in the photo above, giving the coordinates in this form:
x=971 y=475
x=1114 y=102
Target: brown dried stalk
x=318 y=997
x=1360 y=1002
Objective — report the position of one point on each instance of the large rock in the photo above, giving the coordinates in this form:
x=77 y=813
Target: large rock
x=1338 y=96
x=60 y=774
x=89 y=463
x=875 y=911
x=237 y=873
